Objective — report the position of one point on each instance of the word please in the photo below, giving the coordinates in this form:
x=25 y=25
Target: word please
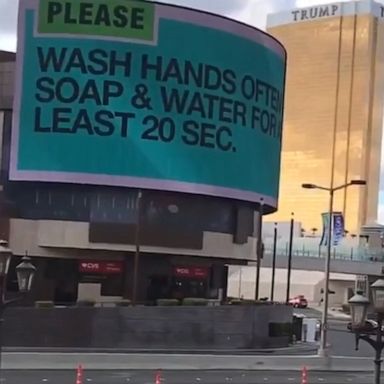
x=120 y=16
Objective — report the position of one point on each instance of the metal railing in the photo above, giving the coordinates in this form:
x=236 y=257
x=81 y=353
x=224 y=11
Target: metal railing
x=304 y=247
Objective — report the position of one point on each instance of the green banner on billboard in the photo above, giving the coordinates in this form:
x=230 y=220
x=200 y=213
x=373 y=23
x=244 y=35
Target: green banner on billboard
x=113 y=18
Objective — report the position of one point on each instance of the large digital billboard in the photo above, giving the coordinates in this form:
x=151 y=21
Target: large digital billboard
x=148 y=95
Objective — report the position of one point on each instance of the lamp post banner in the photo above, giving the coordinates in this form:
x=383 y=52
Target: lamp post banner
x=147 y=95
x=337 y=228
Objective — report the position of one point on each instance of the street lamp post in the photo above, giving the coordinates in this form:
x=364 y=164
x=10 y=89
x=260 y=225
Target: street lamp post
x=359 y=307
x=259 y=248
x=323 y=350
x=274 y=262
x=289 y=267
x=136 y=259
x=25 y=272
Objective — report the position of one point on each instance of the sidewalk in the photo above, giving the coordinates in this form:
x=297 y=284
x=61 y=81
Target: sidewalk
x=315 y=311
x=335 y=313
x=108 y=361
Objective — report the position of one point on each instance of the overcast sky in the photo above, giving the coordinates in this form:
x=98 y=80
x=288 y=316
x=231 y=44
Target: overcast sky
x=253 y=12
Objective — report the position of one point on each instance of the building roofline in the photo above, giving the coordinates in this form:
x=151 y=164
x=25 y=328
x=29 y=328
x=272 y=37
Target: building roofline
x=6 y=56
x=323 y=11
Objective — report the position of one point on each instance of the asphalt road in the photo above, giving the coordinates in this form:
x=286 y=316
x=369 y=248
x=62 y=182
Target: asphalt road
x=182 y=377
x=341 y=340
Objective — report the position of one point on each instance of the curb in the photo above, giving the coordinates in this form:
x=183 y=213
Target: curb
x=103 y=361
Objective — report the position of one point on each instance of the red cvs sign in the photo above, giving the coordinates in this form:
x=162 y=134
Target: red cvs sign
x=101 y=267
x=191 y=272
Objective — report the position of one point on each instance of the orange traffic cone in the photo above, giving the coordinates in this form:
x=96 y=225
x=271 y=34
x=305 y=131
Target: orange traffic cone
x=79 y=374
x=158 y=377
x=304 y=376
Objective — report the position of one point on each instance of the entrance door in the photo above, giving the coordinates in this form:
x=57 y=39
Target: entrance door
x=64 y=275
x=158 y=288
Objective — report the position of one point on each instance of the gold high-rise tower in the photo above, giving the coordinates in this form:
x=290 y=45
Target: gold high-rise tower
x=333 y=110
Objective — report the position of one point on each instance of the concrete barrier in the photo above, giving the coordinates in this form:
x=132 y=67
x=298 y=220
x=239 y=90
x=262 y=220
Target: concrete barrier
x=235 y=327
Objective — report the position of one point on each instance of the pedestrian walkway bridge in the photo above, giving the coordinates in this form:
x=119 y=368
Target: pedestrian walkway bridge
x=308 y=255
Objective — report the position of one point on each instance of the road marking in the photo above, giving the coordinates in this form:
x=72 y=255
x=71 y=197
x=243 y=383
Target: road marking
x=320 y=379
x=265 y=379
x=44 y=380
x=198 y=379
x=89 y=379
x=290 y=379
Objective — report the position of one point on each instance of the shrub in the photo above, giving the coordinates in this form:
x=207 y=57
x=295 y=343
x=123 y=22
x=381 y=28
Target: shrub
x=230 y=298
x=44 y=304
x=86 y=303
x=167 y=302
x=195 y=301
x=235 y=302
x=123 y=303
x=346 y=308
x=248 y=302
